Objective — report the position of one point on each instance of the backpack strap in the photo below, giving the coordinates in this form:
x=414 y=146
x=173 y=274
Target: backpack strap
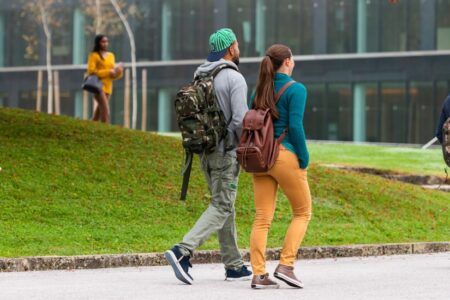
x=283 y=88
x=277 y=97
x=217 y=70
x=220 y=67
x=214 y=73
x=186 y=174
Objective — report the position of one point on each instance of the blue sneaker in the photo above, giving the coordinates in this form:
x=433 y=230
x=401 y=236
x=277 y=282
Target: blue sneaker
x=180 y=264
x=238 y=275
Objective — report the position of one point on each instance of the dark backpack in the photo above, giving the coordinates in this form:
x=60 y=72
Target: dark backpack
x=258 y=149
x=446 y=141
x=200 y=119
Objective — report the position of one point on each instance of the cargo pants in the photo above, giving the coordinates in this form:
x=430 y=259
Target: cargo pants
x=221 y=171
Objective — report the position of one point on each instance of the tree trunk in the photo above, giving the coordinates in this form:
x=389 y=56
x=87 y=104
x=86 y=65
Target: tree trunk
x=133 y=61
x=98 y=21
x=48 y=37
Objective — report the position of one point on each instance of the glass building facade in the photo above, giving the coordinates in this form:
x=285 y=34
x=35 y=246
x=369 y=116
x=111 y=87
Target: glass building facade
x=374 y=71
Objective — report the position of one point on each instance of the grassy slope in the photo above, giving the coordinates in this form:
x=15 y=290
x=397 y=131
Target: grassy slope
x=72 y=187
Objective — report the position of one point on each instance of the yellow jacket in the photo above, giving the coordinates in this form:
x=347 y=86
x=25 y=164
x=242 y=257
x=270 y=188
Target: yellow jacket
x=101 y=68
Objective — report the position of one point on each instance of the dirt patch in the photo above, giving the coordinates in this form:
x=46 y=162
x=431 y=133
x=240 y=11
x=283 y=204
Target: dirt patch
x=426 y=181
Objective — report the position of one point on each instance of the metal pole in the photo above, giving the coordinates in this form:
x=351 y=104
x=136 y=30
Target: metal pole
x=57 y=94
x=144 y=99
x=85 y=105
x=126 y=103
x=39 y=90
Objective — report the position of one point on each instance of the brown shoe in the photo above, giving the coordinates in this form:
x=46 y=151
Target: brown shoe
x=264 y=282
x=287 y=275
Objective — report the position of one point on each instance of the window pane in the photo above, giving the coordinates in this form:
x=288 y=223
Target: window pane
x=315 y=121
x=340 y=112
x=372 y=112
x=393 y=26
x=443 y=25
x=240 y=20
x=373 y=26
x=294 y=24
x=420 y=109
x=341 y=26
x=148 y=31
x=394 y=122
x=192 y=24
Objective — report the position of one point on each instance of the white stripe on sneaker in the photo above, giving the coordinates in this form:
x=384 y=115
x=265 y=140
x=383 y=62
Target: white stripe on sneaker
x=264 y=286
x=243 y=278
x=176 y=264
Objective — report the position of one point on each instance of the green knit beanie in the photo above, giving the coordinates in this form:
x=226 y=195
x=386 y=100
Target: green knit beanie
x=221 y=39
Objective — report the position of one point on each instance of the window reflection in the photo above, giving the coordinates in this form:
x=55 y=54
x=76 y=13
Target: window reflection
x=443 y=25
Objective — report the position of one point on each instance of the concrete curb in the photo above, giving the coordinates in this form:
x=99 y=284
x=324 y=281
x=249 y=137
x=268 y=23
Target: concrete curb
x=202 y=257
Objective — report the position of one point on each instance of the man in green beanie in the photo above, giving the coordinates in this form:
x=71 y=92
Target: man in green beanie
x=221 y=168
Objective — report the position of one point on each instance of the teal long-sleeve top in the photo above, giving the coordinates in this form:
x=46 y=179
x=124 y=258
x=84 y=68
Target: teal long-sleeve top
x=291 y=108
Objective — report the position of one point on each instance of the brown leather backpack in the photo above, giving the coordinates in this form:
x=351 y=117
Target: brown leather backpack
x=258 y=149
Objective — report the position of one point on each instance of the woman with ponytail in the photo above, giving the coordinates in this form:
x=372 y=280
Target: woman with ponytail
x=289 y=171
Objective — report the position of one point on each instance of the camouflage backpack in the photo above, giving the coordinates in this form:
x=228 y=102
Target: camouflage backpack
x=200 y=119
x=446 y=141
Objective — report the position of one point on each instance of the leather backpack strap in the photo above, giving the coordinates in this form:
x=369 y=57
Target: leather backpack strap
x=277 y=97
x=283 y=88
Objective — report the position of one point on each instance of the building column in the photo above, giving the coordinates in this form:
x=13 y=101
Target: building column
x=78 y=55
x=359 y=89
x=428 y=24
x=320 y=26
x=260 y=27
x=164 y=100
x=164 y=109
x=166 y=28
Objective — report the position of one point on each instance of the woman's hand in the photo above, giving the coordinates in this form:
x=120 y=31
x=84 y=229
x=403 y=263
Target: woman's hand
x=117 y=71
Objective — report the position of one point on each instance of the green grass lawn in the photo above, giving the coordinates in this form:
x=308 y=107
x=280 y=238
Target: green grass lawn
x=400 y=159
x=396 y=158
x=75 y=187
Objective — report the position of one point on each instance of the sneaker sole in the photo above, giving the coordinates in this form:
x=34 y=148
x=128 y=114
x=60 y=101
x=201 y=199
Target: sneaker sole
x=264 y=287
x=179 y=272
x=244 y=278
x=288 y=280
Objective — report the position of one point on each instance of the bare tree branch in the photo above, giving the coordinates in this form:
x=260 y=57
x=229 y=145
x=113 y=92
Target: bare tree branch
x=98 y=20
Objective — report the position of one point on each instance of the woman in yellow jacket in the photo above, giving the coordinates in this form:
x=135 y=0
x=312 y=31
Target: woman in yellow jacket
x=102 y=63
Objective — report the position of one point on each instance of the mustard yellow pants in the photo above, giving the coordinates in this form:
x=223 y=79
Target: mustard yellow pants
x=293 y=181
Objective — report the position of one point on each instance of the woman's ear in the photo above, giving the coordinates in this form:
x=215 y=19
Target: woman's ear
x=287 y=62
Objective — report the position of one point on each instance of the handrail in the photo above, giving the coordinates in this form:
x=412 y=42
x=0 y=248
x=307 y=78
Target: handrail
x=188 y=62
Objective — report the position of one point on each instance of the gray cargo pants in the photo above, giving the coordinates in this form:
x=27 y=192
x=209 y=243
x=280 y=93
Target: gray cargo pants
x=222 y=174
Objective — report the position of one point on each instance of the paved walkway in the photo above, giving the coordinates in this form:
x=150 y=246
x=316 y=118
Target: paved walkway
x=386 y=277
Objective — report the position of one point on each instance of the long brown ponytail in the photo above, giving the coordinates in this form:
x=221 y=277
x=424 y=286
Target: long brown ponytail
x=265 y=92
